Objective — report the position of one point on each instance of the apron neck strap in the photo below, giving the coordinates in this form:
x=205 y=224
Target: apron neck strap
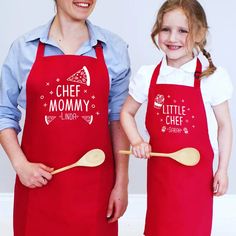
x=97 y=47
x=99 y=51
x=155 y=75
x=40 y=51
x=197 y=74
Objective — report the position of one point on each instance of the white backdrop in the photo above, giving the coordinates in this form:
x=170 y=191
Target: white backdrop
x=132 y=20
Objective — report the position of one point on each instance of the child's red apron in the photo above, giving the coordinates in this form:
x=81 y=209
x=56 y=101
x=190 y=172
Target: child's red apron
x=66 y=116
x=179 y=197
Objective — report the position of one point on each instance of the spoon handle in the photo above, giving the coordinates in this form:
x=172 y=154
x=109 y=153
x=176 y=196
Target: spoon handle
x=151 y=153
x=63 y=169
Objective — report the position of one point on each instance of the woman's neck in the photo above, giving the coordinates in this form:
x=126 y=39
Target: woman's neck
x=68 y=34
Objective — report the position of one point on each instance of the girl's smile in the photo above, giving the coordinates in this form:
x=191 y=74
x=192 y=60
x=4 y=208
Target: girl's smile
x=173 y=47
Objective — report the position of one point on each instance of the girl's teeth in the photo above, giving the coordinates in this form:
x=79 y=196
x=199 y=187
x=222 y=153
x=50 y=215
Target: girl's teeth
x=173 y=47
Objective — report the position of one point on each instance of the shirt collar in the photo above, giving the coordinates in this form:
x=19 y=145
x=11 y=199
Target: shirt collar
x=188 y=67
x=39 y=33
x=95 y=33
x=42 y=33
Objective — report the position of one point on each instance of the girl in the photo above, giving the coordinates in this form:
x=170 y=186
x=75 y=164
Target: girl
x=182 y=97
x=66 y=72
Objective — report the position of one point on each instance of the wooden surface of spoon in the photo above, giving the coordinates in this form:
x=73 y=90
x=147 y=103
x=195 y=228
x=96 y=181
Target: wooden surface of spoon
x=187 y=156
x=92 y=158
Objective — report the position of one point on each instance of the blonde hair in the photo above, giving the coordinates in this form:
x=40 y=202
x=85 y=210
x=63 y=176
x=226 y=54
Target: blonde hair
x=198 y=27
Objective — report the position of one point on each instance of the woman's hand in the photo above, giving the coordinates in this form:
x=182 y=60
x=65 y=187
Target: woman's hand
x=142 y=150
x=117 y=203
x=33 y=175
x=220 y=184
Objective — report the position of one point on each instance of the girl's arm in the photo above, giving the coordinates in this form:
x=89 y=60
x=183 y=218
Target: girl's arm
x=222 y=115
x=140 y=148
x=30 y=174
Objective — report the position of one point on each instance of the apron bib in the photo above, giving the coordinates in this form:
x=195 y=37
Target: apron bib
x=66 y=116
x=180 y=198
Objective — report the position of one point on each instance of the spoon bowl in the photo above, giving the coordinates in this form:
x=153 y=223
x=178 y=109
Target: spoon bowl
x=92 y=158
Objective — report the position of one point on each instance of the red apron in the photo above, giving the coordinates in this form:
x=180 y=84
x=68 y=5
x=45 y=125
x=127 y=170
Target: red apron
x=179 y=198
x=66 y=116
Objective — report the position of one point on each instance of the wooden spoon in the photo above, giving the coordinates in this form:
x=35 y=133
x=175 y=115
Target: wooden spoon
x=92 y=158
x=186 y=156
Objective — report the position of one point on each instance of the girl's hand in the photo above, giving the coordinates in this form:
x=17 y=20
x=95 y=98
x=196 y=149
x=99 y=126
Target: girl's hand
x=220 y=184
x=34 y=175
x=142 y=150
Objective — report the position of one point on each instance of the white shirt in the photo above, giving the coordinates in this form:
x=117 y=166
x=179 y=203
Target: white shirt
x=215 y=89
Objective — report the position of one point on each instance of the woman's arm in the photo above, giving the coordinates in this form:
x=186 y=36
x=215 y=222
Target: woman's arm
x=140 y=148
x=30 y=174
x=222 y=115
x=119 y=196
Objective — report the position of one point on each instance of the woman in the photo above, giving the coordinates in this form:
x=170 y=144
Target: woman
x=67 y=75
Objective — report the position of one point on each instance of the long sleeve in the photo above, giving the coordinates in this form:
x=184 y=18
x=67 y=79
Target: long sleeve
x=10 y=115
x=120 y=74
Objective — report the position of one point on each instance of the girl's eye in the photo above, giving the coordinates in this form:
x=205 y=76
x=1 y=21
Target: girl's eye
x=184 y=31
x=165 y=29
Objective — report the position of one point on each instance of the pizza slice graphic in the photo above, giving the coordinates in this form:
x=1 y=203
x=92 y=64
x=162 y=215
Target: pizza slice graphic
x=49 y=119
x=81 y=76
x=88 y=119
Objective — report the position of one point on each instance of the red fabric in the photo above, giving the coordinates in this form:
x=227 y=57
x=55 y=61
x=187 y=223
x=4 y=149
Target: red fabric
x=179 y=197
x=66 y=116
